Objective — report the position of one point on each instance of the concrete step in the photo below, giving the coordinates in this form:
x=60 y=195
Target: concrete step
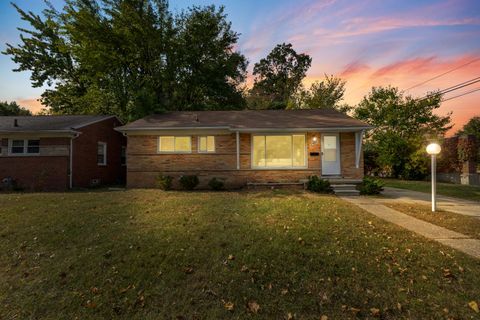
x=343 y=186
x=349 y=192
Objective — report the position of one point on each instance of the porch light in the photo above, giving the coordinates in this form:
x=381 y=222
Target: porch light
x=433 y=149
x=314 y=140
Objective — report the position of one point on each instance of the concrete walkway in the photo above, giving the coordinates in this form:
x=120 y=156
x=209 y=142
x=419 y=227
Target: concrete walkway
x=447 y=237
x=460 y=206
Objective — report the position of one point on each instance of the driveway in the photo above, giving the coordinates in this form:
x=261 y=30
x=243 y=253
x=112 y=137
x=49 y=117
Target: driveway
x=460 y=206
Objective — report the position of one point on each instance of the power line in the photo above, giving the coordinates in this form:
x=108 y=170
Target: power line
x=461 y=95
x=442 y=74
x=452 y=88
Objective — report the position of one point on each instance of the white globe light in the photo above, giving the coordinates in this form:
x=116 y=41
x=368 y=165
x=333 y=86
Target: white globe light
x=433 y=148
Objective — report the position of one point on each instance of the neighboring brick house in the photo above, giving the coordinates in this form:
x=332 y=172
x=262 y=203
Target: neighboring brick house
x=61 y=152
x=244 y=147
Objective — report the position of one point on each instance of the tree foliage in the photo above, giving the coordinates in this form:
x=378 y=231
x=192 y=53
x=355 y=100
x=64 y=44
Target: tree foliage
x=277 y=77
x=13 y=109
x=471 y=127
x=401 y=126
x=325 y=94
x=131 y=57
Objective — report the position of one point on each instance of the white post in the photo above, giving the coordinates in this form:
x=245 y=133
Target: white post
x=434 y=182
x=238 y=150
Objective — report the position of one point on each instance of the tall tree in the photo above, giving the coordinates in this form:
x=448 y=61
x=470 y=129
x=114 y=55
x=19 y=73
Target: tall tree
x=131 y=57
x=471 y=127
x=401 y=126
x=13 y=109
x=278 y=76
x=325 y=94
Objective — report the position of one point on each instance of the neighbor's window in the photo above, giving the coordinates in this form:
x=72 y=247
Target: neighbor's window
x=175 y=144
x=206 y=144
x=278 y=151
x=24 y=146
x=101 y=153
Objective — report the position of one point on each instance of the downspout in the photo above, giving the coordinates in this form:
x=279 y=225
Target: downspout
x=70 y=177
x=238 y=150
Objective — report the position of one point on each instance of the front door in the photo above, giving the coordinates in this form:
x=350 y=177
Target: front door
x=330 y=154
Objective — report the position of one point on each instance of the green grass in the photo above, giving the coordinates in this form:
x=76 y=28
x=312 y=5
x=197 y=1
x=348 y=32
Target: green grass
x=446 y=189
x=467 y=225
x=148 y=254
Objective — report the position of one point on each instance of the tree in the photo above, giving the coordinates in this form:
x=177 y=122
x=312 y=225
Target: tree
x=13 y=109
x=131 y=58
x=278 y=76
x=401 y=126
x=325 y=94
x=471 y=127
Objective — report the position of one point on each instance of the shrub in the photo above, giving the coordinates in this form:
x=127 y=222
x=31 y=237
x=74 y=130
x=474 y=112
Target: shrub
x=371 y=185
x=216 y=184
x=189 y=182
x=316 y=184
x=164 y=182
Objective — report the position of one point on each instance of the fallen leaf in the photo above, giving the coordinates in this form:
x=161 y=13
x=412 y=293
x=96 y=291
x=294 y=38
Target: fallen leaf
x=94 y=290
x=284 y=292
x=289 y=316
x=354 y=310
x=228 y=305
x=474 y=306
x=253 y=306
x=375 y=312
x=231 y=257
x=91 y=304
x=323 y=317
x=244 y=269
x=188 y=270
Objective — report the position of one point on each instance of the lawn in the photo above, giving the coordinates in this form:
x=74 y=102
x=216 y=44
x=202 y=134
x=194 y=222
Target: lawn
x=467 y=225
x=148 y=254
x=446 y=189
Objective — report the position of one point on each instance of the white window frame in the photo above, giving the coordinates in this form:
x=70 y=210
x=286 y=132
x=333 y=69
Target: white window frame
x=206 y=151
x=278 y=168
x=25 y=152
x=104 y=144
x=173 y=152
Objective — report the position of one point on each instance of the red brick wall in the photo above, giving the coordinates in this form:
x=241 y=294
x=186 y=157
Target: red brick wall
x=43 y=172
x=85 y=167
x=145 y=164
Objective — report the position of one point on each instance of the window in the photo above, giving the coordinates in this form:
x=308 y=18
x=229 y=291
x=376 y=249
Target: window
x=102 y=153
x=178 y=144
x=18 y=146
x=123 y=156
x=330 y=148
x=278 y=151
x=206 y=144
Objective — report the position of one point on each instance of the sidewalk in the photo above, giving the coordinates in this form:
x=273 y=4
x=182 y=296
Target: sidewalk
x=447 y=237
x=460 y=206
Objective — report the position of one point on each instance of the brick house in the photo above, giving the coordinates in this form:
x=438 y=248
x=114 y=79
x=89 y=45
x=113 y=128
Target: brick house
x=244 y=147
x=61 y=152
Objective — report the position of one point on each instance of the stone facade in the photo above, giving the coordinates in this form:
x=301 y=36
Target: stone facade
x=145 y=164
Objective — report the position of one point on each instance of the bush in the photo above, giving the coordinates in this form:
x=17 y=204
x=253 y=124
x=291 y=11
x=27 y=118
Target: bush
x=164 y=182
x=189 y=182
x=316 y=184
x=216 y=184
x=371 y=185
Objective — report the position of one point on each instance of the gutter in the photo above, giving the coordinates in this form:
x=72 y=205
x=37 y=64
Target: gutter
x=324 y=129
x=70 y=175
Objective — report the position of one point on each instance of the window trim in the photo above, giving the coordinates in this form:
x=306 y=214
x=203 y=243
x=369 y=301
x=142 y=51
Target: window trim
x=174 y=137
x=284 y=167
x=206 y=136
x=25 y=152
x=104 y=144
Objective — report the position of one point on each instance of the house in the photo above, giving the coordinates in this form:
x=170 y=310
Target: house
x=244 y=147
x=61 y=152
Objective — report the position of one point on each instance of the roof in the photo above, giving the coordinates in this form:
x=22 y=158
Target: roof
x=248 y=120
x=61 y=123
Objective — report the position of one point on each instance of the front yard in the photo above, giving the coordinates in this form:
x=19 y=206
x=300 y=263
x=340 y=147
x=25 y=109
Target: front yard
x=447 y=189
x=147 y=254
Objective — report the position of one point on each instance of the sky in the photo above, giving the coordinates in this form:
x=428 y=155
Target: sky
x=365 y=42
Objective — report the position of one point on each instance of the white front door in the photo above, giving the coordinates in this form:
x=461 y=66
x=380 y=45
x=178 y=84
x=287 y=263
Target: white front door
x=330 y=154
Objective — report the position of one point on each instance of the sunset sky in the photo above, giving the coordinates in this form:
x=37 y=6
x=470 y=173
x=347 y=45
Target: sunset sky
x=366 y=42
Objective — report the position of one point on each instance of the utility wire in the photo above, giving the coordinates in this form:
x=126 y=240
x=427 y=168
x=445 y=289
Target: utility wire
x=461 y=95
x=442 y=74
x=452 y=88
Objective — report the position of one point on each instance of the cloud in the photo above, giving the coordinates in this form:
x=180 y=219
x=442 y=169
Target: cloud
x=34 y=105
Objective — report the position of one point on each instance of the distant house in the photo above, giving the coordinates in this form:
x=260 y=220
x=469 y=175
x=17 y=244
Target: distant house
x=61 y=152
x=245 y=147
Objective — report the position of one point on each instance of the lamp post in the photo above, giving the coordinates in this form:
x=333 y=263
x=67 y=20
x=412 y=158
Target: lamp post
x=433 y=149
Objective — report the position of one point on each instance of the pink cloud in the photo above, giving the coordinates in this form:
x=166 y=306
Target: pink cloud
x=34 y=105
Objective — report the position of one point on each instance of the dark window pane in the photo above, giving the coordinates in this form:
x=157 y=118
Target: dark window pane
x=33 y=146
x=17 y=146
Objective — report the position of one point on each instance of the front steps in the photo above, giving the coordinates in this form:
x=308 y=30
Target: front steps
x=345 y=189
